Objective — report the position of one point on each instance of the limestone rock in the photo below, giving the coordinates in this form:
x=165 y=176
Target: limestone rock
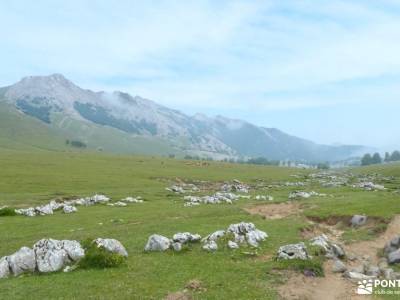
x=111 y=245
x=4 y=267
x=22 y=261
x=177 y=246
x=157 y=243
x=50 y=256
x=338 y=266
x=69 y=209
x=293 y=251
x=53 y=255
x=394 y=257
x=355 y=276
x=186 y=237
x=214 y=236
x=232 y=245
x=210 y=246
x=358 y=220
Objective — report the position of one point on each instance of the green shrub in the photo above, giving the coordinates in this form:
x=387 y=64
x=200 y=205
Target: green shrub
x=314 y=265
x=96 y=257
x=7 y=211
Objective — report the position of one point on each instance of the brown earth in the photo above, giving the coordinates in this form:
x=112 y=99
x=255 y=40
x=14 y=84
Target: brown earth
x=333 y=286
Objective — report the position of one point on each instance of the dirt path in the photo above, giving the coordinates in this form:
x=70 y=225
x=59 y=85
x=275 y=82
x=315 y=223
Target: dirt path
x=333 y=286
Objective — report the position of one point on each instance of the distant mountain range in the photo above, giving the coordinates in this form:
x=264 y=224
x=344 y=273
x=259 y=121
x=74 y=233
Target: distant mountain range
x=45 y=111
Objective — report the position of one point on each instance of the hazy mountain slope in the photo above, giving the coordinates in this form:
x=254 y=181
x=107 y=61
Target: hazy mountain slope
x=118 y=122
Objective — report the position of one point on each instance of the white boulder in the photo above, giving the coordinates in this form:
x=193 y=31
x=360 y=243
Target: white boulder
x=68 y=209
x=22 y=261
x=4 y=267
x=210 y=246
x=157 y=242
x=111 y=245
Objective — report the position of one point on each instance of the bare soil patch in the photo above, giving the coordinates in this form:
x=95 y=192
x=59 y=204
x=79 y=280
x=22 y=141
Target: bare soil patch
x=333 y=286
x=275 y=211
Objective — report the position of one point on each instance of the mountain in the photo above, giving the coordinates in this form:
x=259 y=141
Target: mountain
x=118 y=122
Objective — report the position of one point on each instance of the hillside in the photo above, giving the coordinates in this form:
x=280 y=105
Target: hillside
x=119 y=123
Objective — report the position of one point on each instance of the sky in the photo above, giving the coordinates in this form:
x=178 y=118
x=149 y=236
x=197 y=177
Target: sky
x=328 y=71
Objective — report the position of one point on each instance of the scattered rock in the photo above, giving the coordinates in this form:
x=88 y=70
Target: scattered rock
x=214 y=236
x=266 y=197
x=22 y=261
x=177 y=246
x=157 y=243
x=373 y=271
x=392 y=245
x=133 y=200
x=53 y=255
x=293 y=251
x=185 y=237
x=217 y=198
x=235 y=186
x=305 y=195
x=68 y=209
x=232 y=245
x=48 y=209
x=4 y=267
x=210 y=246
x=247 y=232
x=119 y=203
x=355 y=276
x=338 y=266
x=369 y=186
x=331 y=250
x=111 y=245
x=358 y=220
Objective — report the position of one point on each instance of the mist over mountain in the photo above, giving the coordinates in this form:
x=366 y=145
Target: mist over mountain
x=119 y=122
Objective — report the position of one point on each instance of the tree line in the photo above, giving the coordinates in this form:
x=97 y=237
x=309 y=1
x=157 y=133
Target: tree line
x=371 y=159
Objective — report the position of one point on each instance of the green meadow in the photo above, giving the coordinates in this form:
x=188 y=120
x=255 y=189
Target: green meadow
x=36 y=177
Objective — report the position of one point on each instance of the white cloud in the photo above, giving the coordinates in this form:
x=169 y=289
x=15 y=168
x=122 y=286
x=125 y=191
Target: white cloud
x=226 y=56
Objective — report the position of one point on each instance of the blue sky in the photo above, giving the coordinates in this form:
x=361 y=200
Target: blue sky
x=328 y=70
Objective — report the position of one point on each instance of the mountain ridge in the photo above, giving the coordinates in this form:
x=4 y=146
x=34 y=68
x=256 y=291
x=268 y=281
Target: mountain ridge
x=53 y=97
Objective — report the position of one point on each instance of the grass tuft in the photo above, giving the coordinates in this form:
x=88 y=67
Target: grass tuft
x=100 y=258
x=7 y=212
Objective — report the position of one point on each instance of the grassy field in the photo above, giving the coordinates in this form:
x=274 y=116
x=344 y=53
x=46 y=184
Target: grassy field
x=29 y=178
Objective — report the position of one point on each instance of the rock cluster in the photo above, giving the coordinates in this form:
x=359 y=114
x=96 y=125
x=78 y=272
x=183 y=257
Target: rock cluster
x=367 y=270
x=305 y=195
x=331 y=250
x=392 y=250
x=235 y=186
x=217 y=198
x=158 y=242
x=293 y=251
x=49 y=255
x=369 y=186
x=68 y=206
x=183 y=188
x=241 y=232
x=264 y=197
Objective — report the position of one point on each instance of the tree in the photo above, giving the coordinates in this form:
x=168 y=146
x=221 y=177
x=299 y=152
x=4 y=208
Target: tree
x=366 y=160
x=395 y=156
x=387 y=157
x=376 y=158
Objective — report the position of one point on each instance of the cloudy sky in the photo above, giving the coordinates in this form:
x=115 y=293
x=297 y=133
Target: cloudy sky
x=327 y=70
